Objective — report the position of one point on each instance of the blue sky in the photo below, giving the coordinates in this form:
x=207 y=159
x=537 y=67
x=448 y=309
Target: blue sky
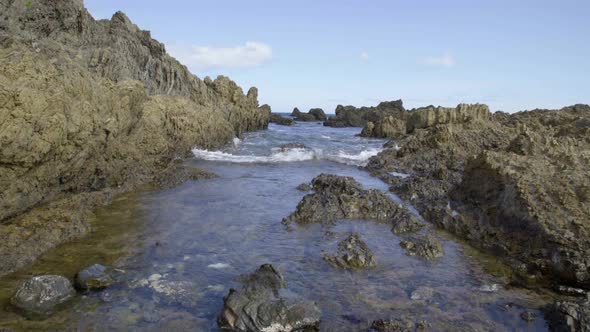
x=512 y=55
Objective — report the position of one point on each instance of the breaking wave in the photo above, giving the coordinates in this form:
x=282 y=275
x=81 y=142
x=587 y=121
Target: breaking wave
x=291 y=155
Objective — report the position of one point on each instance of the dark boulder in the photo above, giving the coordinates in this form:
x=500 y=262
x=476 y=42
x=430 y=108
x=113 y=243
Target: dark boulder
x=39 y=296
x=259 y=307
x=281 y=120
x=315 y=114
x=341 y=197
x=353 y=253
x=568 y=317
x=318 y=114
x=304 y=187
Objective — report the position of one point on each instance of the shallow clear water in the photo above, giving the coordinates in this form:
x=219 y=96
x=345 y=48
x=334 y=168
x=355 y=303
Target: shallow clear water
x=204 y=234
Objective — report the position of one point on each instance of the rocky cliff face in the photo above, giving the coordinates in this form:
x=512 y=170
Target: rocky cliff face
x=512 y=184
x=87 y=105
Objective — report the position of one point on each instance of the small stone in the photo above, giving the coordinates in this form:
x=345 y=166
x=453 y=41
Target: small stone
x=304 y=187
x=427 y=247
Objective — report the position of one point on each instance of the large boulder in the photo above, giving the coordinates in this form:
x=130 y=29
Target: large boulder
x=350 y=116
x=387 y=127
x=353 y=253
x=258 y=306
x=315 y=114
x=40 y=296
x=318 y=114
x=340 y=197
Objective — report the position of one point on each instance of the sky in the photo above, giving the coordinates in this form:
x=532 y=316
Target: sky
x=512 y=55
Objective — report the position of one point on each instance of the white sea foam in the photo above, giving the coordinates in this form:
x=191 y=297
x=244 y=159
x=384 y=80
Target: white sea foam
x=326 y=137
x=218 y=266
x=237 y=142
x=399 y=175
x=290 y=155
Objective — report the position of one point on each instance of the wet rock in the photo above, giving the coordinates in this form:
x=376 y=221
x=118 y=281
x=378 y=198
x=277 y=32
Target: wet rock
x=95 y=277
x=339 y=197
x=408 y=225
x=528 y=316
x=281 y=120
x=350 y=116
x=426 y=246
x=257 y=306
x=304 y=187
x=393 y=325
x=173 y=292
x=177 y=174
x=568 y=317
x=39 y=296
x=315 y=114
x=291 y=146
x=353 y=253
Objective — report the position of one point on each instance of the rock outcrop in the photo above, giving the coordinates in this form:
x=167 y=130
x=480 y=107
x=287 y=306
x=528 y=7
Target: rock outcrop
x=340 y=197
x=353 y=253
x=314 y=114
x=281 y=120
x=259 y=307
x=88 y=105
x=350 y=116
x=386 y=127
x=426 y=246
x=511 y=184
x=568 y=316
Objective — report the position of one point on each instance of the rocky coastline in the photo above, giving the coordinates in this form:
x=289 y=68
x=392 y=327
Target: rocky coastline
x=91 y=108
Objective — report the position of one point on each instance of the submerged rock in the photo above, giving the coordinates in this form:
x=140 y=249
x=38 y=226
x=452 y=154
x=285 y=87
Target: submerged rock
x=281 y=120
x=39 y=296
x=393 y=325
x=95 y=277
x=426 y=246
x=177 y=174
x=291 y=146
x=340 y=197
x=257 y=306
x=353 y=253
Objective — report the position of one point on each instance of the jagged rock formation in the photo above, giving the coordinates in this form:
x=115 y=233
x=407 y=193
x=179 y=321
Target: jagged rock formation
x=353 y=253
x=512 y=184
x=258 y=306
x=87 y=105
x=314 y=114
x=350 y=116
x=341 y=197
x=387 y=127
x=569 y=316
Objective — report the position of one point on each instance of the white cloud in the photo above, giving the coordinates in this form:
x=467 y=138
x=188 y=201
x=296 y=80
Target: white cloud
x=250 y=54
x=447 y=60
x=364 y=56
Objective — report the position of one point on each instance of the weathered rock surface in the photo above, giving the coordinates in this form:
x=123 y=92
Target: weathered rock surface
x=431 y=116
x=350 y=116
x=259 y=307
x=426 y=246
x=281 y=120
x=315 y=114
x=393 y=325
x=386 y=127
x=177 y=174
x=87 y=105
x=340 y=197
x=569 y=317
x=95 y=277
x=353 y=253
x=39 y=296
x=511 y=184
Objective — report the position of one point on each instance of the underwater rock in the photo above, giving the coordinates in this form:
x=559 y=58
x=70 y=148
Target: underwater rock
x=95 y=277
x=353 y=253
x=39 y=296
x=257 y=306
